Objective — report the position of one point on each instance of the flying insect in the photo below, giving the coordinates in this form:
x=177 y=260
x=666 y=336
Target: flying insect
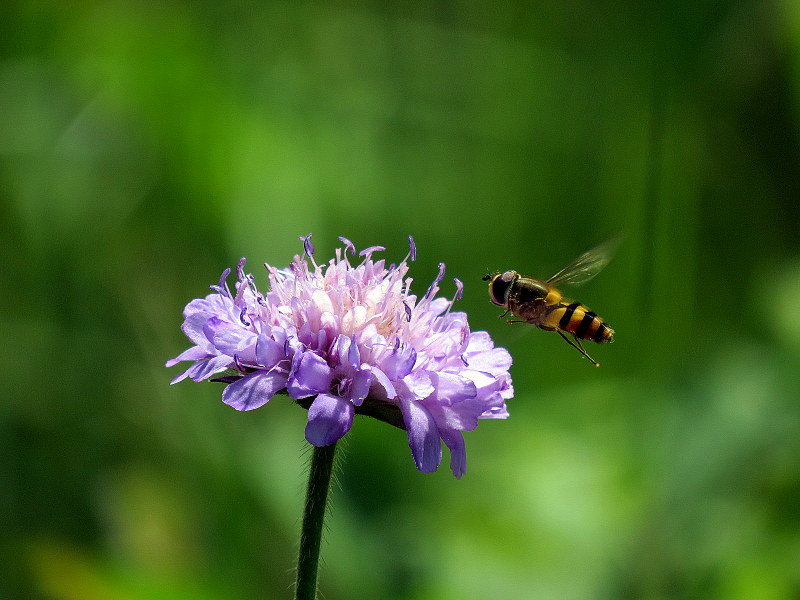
x=540 y=303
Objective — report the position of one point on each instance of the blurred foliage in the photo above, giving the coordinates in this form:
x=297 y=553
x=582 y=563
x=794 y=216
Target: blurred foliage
x=144 y=147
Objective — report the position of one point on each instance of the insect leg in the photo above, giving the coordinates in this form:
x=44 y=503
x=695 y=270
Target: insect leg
x=531 y=321
x=508 y=310
x=579 y=347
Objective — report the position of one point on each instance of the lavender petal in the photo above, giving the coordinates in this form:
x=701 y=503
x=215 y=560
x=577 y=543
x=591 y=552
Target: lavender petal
x=359 y=388
x=399 y=362
x=384 y=383
x=417 y=385
x=232 y=339
x=451 y=388
x=329 y=418
x=204 y=369
x=310 y=375
x=269 y=352
x=253 y=390
x=193 y=353
x=345 y=352
x=194 y=328
x=495 y=361
x=458 y=452
x=423 y=436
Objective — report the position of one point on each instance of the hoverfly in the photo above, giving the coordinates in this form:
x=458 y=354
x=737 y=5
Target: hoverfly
x=539 y=302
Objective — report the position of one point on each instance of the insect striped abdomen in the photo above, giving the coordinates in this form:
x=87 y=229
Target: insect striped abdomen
x=577 y=319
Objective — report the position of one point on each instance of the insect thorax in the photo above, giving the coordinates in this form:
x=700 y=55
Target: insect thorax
x=528 y=289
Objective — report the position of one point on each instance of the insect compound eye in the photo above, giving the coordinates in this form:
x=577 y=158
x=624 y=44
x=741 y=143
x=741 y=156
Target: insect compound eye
x=499 y=287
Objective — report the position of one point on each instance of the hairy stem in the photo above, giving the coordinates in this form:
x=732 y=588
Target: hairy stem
x=319 y=481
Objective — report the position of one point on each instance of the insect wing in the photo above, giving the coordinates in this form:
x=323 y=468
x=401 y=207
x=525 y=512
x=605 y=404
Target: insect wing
x=587 y=265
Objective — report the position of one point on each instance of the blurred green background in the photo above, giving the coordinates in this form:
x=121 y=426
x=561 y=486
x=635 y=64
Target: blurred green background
x=144 y=147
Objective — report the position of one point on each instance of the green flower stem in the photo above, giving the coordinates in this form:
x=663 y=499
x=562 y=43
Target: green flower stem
x=319 y=482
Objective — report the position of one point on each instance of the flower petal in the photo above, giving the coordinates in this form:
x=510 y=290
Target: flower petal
x=418 y=385
x=211 y=325
x=231 y=340
x=340 y=349
x=354 y=319
x=204 y=369
x=329 y=418
x=180 y=377
x=452 y=388
x=462 y=416
x=495 y=361
x=423 y=436
x=310 y=375
x=437 y=306
x=399 y=361
x=321 y=302
x=253 y=390
x=479 y=341
x=458 y=452
x=268 y=351
x=194 y=325
x=193 y=353
x=353 y=354
x=497 y=407
x=359 y=389
x=383 y=382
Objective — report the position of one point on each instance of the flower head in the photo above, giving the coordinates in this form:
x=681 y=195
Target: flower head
x=344 y=338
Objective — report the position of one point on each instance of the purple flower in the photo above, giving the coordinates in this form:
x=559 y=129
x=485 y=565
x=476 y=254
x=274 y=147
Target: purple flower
x=345 y=339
